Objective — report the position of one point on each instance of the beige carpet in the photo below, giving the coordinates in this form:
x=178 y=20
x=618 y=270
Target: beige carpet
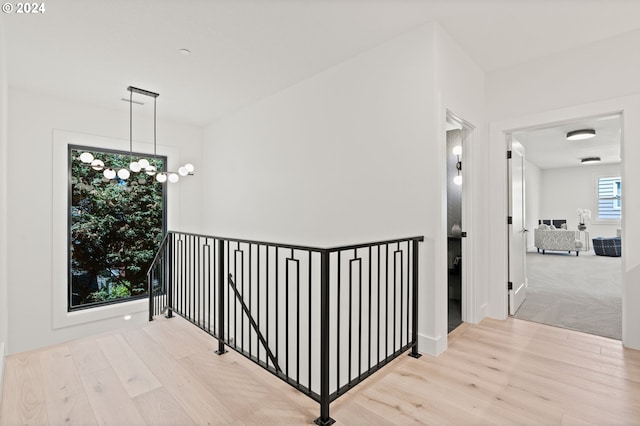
x=581 y=293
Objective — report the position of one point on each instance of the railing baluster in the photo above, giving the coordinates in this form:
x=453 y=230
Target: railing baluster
x=414 y=325
x=386 y=300
x=277 y=307
x=267 y=298
x=286 y=315
x=310 y=288
x=250 y=305
x=369 y=343
x=221 y=285
x=169 y=283
x=338 y=309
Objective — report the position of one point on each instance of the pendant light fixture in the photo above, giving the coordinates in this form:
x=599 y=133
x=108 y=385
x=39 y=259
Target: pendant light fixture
x=142 y=165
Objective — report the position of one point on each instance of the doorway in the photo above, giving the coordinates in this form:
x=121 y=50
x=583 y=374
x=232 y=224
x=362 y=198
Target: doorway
x=458 y=132
x=572 y=287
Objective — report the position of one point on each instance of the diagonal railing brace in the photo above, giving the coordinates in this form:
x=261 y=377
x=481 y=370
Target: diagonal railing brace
x=253 y=323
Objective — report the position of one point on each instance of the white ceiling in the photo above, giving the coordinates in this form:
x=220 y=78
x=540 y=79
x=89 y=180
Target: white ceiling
x=91 y=51
x=549 y=148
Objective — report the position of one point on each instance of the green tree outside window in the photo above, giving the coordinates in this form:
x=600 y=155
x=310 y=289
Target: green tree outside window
x=115 y=229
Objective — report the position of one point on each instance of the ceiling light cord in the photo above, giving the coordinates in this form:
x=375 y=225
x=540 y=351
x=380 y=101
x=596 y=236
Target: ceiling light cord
x=130 y=127
x=143 y=165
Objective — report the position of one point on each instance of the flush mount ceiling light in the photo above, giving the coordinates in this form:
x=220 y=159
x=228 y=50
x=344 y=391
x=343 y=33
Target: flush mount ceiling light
x=141 y=165
x=581 y=134
x=590 y=160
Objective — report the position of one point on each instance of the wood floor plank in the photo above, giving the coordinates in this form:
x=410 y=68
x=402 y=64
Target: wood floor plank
x=67 y=402
x=131 y=370
x=185 y=388
x=159 y=408
x=60 y=376
x=498 y=372
x=88 y=356
x=109 y=400
x=23 y=396
x=71 y=410
x=257 y=398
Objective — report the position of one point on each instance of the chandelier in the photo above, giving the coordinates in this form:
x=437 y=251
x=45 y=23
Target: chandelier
x=137 y=165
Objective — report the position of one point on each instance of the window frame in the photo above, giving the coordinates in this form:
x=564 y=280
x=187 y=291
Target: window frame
x=617 y=202
x=69 y=203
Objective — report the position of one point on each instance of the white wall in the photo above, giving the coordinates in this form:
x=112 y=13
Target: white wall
x=598 y=71
x=343 y=157
x=460 y=86
x=587 y=81
x=4 y=304
x=353 y=154
x=565 y=190
x=34 y=236
x=533 y=190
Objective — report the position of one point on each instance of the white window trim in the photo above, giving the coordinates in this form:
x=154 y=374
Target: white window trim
x=61 y=141
x=595 y=212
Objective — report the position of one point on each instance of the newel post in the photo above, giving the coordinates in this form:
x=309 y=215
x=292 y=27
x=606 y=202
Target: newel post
x=324 y=419
x=415 y=282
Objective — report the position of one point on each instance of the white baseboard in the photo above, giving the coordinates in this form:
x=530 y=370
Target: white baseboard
x=433 y=346
x=2 y=354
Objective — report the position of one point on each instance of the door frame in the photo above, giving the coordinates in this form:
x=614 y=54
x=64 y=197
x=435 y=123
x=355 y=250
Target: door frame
x=629 y=108
x=468 y=308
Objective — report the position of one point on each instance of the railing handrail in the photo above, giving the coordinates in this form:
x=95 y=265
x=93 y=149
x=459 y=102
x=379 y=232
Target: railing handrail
x=163 y=243
x=292 y=246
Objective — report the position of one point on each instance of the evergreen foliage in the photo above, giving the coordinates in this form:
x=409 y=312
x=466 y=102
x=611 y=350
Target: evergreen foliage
x=116 y=229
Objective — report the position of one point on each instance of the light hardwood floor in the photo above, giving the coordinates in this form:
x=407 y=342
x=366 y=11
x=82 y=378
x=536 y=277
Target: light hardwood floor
x=499 y=372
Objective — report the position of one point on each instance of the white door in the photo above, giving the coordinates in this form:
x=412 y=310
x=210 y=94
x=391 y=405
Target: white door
x=517 y=230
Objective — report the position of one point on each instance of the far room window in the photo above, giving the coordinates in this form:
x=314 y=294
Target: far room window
x=609 y=198
x=115 y=228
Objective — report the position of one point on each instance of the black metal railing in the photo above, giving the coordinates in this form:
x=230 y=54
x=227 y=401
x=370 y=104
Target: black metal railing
x=321 y=319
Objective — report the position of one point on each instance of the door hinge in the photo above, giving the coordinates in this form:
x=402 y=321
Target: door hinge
x=510 y=285
x=508 y=155
x=509 y=220
x=463 y=234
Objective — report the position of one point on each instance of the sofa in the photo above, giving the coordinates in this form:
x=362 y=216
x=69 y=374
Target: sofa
x=556 y=240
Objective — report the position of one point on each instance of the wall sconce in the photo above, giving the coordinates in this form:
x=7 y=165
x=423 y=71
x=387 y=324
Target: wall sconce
x=457 y=151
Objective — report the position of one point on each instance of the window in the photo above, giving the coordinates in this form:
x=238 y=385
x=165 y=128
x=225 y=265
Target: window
x=609 y=198
x=115 y=229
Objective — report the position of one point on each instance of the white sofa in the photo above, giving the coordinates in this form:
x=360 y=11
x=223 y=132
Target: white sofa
x=557 y=240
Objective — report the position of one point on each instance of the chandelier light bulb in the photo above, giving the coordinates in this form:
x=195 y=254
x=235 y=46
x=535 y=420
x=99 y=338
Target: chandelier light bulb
x=150 y=170
x=183 y=171
x=457 y=180
x=123 y=174
x=189 y=167
x=173 y=178
x=134 y=166
x=144 y=163
x=161 y=177
x=97 y=165
x=86 y=157
x=109 y=173
x=457 y=150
